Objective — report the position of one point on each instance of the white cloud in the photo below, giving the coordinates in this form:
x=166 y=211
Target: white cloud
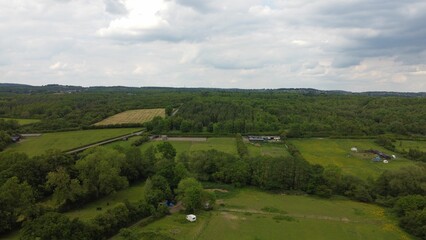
x=142 y=15
x=352 y=45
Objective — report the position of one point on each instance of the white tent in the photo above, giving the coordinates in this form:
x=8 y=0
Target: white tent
x=191 y=217
x=354 y=149
x=385 y=161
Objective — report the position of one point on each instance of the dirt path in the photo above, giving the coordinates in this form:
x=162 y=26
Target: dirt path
x=176 y=208
x=120 y=138
x=217 y=190
x=184 y=139
x=295 y=215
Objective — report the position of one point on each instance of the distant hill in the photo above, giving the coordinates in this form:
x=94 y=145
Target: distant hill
x=55 y=88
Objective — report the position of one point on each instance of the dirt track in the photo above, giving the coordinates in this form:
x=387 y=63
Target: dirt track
x=184 y=139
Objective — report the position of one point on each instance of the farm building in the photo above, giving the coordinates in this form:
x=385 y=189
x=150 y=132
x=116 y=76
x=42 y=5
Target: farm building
x=191 y=217
x=264 y=138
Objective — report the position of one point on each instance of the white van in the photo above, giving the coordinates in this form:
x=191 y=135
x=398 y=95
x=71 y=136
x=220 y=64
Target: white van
x=191 y=217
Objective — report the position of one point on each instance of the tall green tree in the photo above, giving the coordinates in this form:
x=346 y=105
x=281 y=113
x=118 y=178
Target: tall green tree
x=190 y=192
x=56 y=226
x=100 y=171
x=65 y=188
x=16 y=199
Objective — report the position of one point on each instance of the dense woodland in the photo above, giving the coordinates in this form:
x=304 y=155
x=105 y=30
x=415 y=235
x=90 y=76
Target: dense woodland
x=71 y=181
x=294 y=113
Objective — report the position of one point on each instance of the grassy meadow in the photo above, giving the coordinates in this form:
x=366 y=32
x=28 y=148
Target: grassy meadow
x=88 y=211
x=338 y=152
x=22 y=121
x=133 y=116
x=267 y=149
x=253 y=214
x=404 y=145
x=227 y=145
x=66 y=140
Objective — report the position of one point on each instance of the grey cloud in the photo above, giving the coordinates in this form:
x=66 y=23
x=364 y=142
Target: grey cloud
x=198 y=5
x=115 y=7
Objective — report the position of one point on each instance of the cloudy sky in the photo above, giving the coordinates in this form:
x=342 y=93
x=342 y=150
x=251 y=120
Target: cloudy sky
x=356 y=45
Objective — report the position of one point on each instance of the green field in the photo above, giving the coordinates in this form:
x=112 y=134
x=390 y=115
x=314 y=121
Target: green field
x=87 y=212
x=252 y=214
x=267 y=149
x=338 y=152
x=22 y=121
x=66 y=140
x=403 y=145
x=227 y=145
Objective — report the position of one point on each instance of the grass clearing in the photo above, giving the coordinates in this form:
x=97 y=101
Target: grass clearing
x=133 y=116
x=404 y=145
x=66 y=140
x=268 y=149
x=227 y=145
x=338 y=152
x=289 y=217
x=133 y=194
x=22 y=121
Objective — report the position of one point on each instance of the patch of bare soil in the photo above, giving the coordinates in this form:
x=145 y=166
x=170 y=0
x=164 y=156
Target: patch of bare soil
x=176 y=208
x=217 y=190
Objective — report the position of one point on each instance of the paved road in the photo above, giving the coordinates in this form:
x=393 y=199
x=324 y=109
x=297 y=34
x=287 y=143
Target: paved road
x=81 y=149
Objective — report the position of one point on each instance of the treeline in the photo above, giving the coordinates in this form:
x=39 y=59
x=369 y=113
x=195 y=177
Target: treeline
x=297 y=115
x=80 y=110
x=224 y=112
x=7 y=129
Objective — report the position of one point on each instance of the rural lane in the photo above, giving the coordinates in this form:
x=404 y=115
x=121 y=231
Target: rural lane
x=80 y=149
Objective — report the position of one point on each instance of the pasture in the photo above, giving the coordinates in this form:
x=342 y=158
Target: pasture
x=252 y=214
x=22 y=121
x=66 y=140
x=227 y=145
x=133 y=116
x=338 y=152
x=88 y=211
x=403 y=145
x=268 y=149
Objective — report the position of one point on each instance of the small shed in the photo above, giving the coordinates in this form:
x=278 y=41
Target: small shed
x=191 y=217
x=354 y=149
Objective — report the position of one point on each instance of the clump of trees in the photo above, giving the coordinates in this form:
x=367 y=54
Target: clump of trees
x=141 y=140
x=241 y=146
x=193 y=196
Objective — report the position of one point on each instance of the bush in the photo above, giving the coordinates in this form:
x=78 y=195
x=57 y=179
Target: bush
x=142 y=139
